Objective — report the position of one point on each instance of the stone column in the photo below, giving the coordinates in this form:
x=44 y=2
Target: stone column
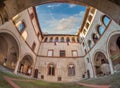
x=33 y=69
x=17 y=65
x=111 y=66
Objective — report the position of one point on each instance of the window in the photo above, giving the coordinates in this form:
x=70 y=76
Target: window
x=24 y=35
x=83 y=44
x=89 y=18
x=88 y=60
x=77 y=39
x=16 y=19
x=73 y=39
x=89 y=43
x=92 y=10
x=74 y=53
x=95 y=37
x=31 y=15
x=56 y=40
x=101 y=29
x=38 y=34
x=51 y=39
x=20 y=26
x=106 y=20
x=71 y=70
x=68 y=40
x=84 y=31
x=85 y=51
x=50 y=52
x=46 y=39
x=33 y=46
x=51 y=69
x=62 y=39
x=62 y=53
x=87 y=25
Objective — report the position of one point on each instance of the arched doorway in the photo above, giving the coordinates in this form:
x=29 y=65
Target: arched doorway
x=9 y=51
x=88 y=73
x=114 y=51
x=101 y=64
x=36 y=73
x=25 y=66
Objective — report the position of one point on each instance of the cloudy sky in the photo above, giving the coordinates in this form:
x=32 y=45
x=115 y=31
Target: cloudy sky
x=60 y=18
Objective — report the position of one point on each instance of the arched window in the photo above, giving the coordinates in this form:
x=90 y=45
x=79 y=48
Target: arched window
x=90 y=44
x=62 y=39
x=68 y=40
x=46 y=39
x=73 y=39
x=94 y=37
x=56 y=39
x=51 y=69
x=106 y=20
x=77 y=39
x=88 y=60
x=71 y=70
x=51 y=39
x=101 y=29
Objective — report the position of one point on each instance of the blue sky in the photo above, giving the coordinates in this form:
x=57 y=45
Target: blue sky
x=60 y=18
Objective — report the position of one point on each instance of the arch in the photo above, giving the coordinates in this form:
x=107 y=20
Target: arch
x=51 y=39
x=114 y=50
x=67 y=39
x=62 y=39
x=56 y=39
x=73 y=39
x=46 y=39
x=101 y=64
x=9 y=49
x=98 y=4
x=26 y=64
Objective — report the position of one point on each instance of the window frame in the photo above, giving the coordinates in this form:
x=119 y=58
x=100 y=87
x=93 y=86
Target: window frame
x=76 y=53
x=23 y=28
x=51 y=70
x=52 y=52
x=71 y=70
x=62 y=55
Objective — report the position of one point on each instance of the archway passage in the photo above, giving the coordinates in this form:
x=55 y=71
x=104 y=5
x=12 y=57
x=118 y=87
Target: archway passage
x=101 y=64
x=25 y=66
x=114 y=50
x=9 y=51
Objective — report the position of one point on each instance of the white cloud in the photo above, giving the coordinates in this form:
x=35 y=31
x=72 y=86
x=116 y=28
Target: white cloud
x=53 y=5
x=70 y=24
x=72 y=5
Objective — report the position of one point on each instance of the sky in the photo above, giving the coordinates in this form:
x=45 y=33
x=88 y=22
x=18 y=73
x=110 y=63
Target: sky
x=60 y=18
